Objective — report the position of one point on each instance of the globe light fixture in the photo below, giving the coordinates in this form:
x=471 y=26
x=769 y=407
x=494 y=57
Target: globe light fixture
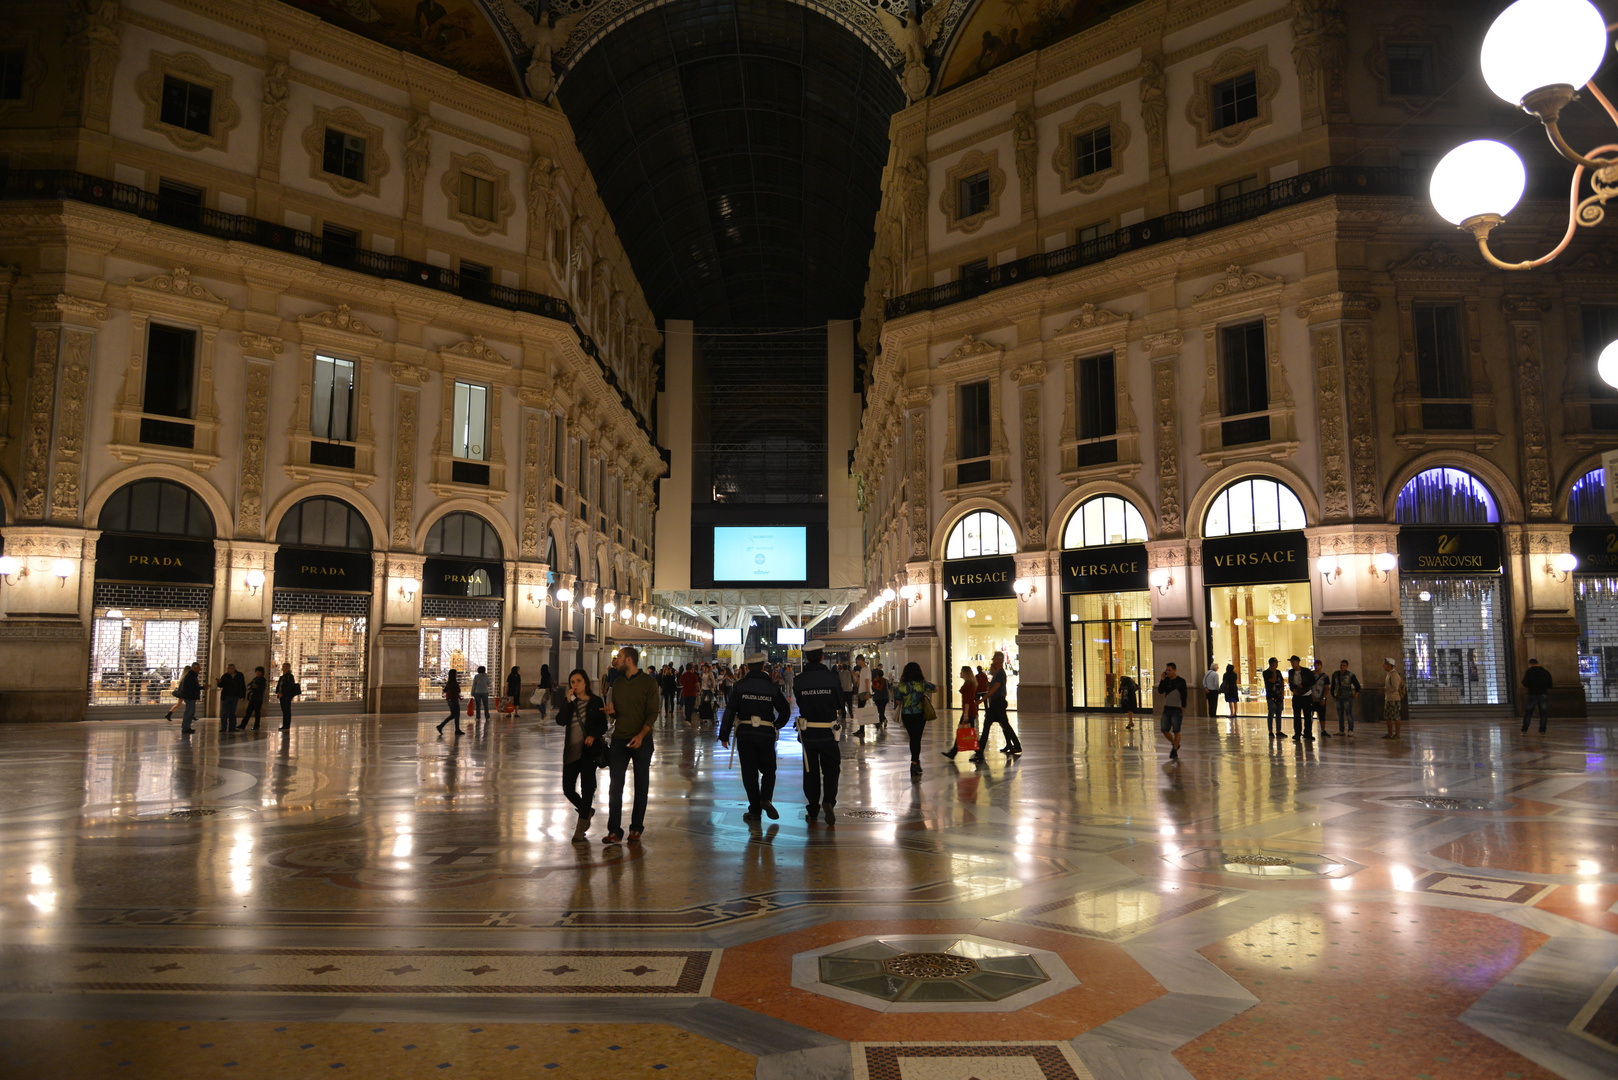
x=9 y=566
x=564 y=594
x=888 y=596
x=63 y=569
x=588 y=603
x=907 y=592
x=1330 y=569
x=1539 y=55
x=608 y=608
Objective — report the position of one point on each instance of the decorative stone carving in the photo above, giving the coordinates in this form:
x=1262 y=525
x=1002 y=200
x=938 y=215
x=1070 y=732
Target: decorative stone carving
x=541 y=189
x=1231 y=63
x=912 y=182
x=1361 y=421
x=404 y=469
x=255 y=423
x=1031 y=378
x=463 y=166
x=224 y=114
x=177 y=282
x=1089 y=316
x=407 y=373
x=1441 y=257
x=273 y=109
x=341 y=318
x=69 y=465
x=418 y=151
x=1154 y=109
x=1531 y=397
x=1237 y=280
x=533 y=446
x=1170 y=523
x=262 y=345
x=970 y=347
x=36 y=449
x=1165 y=340
x=476 y=349
x=1025 y=138
x=93 y=48
x=1329 y=400
x=1088 y=119
x=349 y=122
x=919 y=525
x=971 y=163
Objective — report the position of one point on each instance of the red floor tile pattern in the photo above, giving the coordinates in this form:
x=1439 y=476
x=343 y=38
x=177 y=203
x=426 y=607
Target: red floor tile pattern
x=1536 y=847
x=1358 y=991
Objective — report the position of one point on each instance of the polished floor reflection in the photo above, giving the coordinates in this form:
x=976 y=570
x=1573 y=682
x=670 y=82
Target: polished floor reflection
x=363 y=895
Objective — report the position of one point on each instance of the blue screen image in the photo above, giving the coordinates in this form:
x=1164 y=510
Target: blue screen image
x=760 y=553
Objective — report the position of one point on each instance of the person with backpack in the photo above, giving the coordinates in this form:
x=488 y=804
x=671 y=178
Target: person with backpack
x=189 y=690
x=1345 y=690
x=1393 y=697
x=913 y=691
x=287 y=688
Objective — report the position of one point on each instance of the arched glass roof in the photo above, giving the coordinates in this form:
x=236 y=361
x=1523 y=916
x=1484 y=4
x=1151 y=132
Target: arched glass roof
x=1105 y=519
x=1256 y=505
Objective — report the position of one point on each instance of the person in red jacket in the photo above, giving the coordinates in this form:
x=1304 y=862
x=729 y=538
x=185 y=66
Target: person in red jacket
x=690 y=687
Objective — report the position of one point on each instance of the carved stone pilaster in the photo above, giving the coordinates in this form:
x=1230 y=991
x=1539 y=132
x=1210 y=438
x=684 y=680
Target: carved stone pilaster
x=533 y=447
x=404 y=468
x=1526 y=350
x=274 y=122
x=255 y=422
x=1031 y=377
x=93 y=55
x=71 y=404
x=1334 y=499
x=920 y=529
x=1171 y=522
x=36 y=449
x=1361 y=420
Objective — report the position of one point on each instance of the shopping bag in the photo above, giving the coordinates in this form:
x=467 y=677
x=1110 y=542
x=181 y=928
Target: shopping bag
x=966 y=739
x=928 y=713
x=470 y=704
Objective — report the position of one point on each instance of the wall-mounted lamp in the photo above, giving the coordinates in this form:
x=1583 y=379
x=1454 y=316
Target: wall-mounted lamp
x=408 y=588
x=1330 y=569
x=255 y=580
x=608 y=608
x=588 y=603
x=1025 y=587
x=909 y=594
x=1162 y=580
x=564 y=595
x=63 y=569
x=889 y=596
x=11 y=569
x=1384 y=563
x=640 y=617
x=1559 y=567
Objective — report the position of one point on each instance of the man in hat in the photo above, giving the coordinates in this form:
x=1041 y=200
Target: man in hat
x=818 y=690
x=1300 y=680
x=1393 y=697
x=757 y=709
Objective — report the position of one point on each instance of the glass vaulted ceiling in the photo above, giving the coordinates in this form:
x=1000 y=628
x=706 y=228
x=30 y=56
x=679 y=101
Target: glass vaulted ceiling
x=739 y=146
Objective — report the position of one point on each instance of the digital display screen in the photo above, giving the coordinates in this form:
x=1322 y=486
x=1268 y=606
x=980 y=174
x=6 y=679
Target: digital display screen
x=760 y=553
x=786 y=636
x=723 y=636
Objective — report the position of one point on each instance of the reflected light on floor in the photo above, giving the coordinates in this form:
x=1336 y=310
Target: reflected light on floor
x=1404 y=878
x=241 y=864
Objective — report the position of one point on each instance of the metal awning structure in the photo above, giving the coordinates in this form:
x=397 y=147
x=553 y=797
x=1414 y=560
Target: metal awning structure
x=798 y=608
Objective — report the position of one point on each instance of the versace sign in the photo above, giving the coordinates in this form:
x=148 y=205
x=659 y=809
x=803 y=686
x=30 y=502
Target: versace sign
x=980 y=579
x=1116 y=568
x=1255 y=558
x=1449 y=550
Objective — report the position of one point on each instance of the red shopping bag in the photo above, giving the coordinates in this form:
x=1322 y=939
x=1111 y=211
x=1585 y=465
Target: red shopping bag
x=470 y=704
x=966 y=739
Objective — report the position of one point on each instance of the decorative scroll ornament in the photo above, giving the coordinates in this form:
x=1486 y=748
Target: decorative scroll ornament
x=1090 y=316
x=969 y=347
x=1237 y=280
x=340 y=318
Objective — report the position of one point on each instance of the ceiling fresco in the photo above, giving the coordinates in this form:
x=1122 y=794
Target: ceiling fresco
x=455 y=33
x=998 y=31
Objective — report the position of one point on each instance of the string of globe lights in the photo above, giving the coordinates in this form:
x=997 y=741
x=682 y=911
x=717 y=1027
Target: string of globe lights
x=1539 y=55
x=641 y=616
x=1023 y=587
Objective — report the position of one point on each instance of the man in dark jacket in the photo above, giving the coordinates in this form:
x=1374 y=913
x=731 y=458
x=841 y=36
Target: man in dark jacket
x=1537 y=681
x=1275 y=692
x=232 y=688
x=1300 y=680
x=1171 y=691
x=190 y=690
x=1345 y=690
x=818 y=691
x=256 y=690
x=757 y=710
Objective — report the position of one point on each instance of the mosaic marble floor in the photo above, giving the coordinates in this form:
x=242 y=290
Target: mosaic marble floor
x=364 y=898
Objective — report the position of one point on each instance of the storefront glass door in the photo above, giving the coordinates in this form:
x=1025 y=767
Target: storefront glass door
x=1248 y=624
x=1109 y=636
x=978 y=629
x=1455 y=640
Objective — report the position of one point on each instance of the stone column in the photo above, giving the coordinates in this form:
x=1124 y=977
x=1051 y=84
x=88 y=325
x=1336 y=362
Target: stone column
x=923 y=641
x=242 y=613
x=1174 y=632
x=1544 y=601
x=1356 y=610
x=1040 y=685
x=44 y=641
x=396 y=659
x=530 y=643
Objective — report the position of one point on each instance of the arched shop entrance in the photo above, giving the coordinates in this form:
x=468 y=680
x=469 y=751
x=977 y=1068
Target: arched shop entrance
x=1255 y=573
x=1452 y=596
x=463 y=588
x=320 y=613
x=981 y=617
x=1595 y=585
x=1109 y=607
x=153 y=599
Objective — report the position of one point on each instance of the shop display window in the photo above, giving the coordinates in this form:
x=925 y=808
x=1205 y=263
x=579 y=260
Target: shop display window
x=1248 y=624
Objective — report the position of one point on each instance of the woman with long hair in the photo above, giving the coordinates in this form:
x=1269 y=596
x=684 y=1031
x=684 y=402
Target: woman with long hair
x=514 y=690
x=546 y=688
x=911 y=694
x=584 y=716
x=1227 y=687
x=1128 y=698
x=969 y=704
x=452 y=694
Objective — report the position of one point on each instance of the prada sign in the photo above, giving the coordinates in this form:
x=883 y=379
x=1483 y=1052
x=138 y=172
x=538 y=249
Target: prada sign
x=327 y=571
x=1596 y=547
x=980 y=579
x=1118 y=568
x=120 y=557
x=1255 y=558
x=452 y=577
x=1449 y=550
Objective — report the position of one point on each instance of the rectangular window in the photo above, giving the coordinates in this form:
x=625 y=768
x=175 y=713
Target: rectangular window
x=973 y=438
x=1245 y=384
x=1422 y=161
x=471 y=421
x=973 y=194
x=477 y=196
x=1234 y=100
x=1600 y=328
x=12 y=64
x=1236 y=188
x=1410 y=70
x=337 y=242
x=1096 y=397
x=170 y=363
x=475 y=272
x=331 y=417
x=977 y=270
x=1092 y=233
x=173 y=195
x=187 y=105
x=1092 y=152
x=345 y=155
x=1441 y=371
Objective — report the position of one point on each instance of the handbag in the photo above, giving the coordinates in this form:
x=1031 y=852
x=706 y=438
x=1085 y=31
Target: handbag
x=470 y=702
x=966 y=739
x=928 y=713
x=603 y=752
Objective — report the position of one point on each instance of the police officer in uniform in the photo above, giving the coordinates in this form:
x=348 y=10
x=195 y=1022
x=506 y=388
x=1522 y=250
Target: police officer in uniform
x=818 y=691
x=757 y=710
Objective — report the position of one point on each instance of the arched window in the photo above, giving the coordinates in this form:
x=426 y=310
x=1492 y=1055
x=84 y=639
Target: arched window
x=1253 y=506
x=1587 y=502
x=324 y=522
x=1105 y=519
x=160 y=507
x=464 y=536
x=1445 y=497
x=980 y=533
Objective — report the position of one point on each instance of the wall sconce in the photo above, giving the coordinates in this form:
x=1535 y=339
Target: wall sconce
x=889 y=596
x=640 y=617
x=608 y=608
x=537 y=599
x=255 y=580
x=11 y=569
x=63 y=569
x=1384 y=563
x=564 y=594
x=408 y=588
x=1559 y=567
x=1330 y=569
x=909 y=594
x=1025 y=587
x=588 y=603
x=1162 y=580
